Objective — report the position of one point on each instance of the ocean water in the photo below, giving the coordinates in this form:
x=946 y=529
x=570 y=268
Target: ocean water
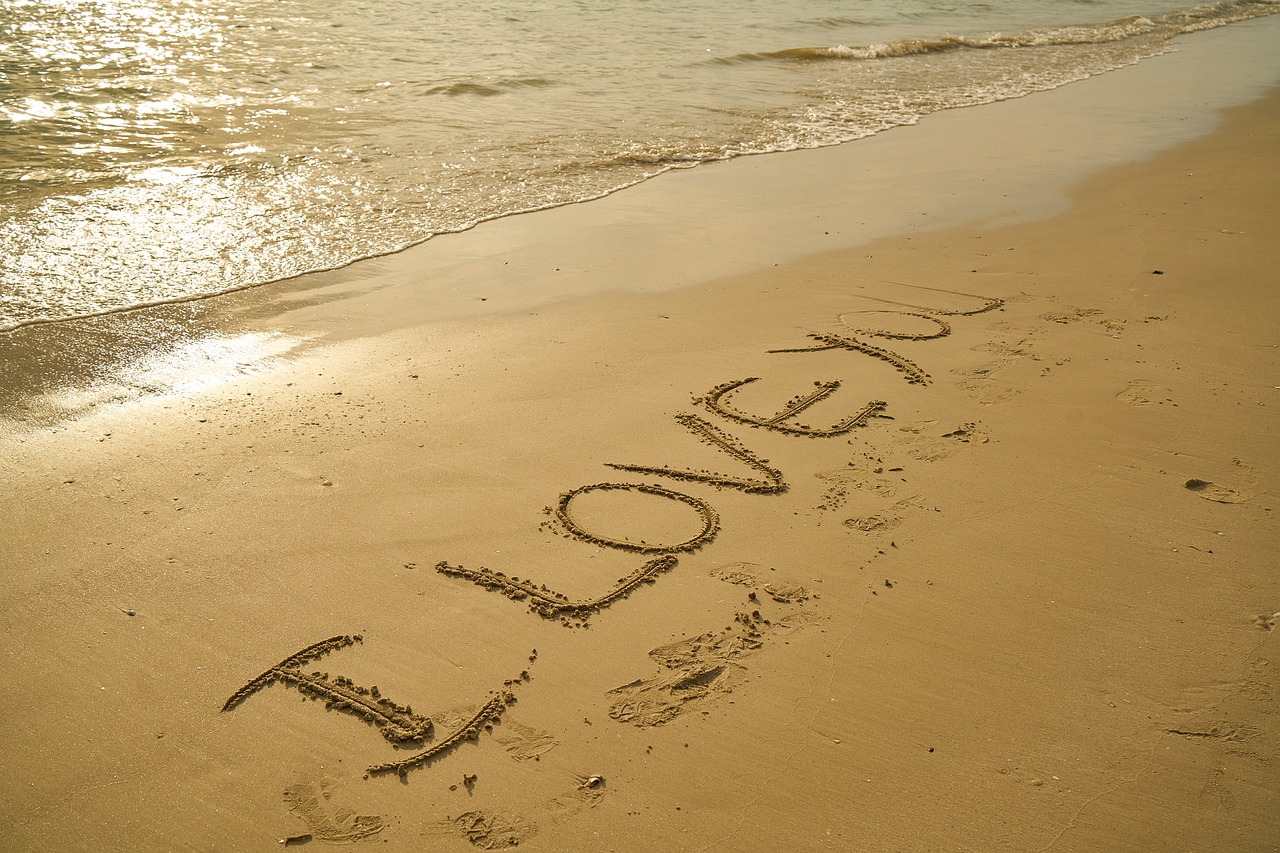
x=157 y=150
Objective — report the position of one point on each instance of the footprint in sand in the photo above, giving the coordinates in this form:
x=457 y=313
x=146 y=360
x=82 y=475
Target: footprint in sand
x=747 y=574
x=989 y=392
x=743 y=574
x=844 y=484
x=919 y=439
x=787 y=593
x=485 y=829
x=888 y=519
x=1216 y=793
x=838 y=485
x=968 y=433
x=697 y=670
x=980 y=381
x=310 y=802
x=1220 y=494
x=1140 y=392
x=568 y=804
x=695 y=666
x=525 y=743
x=499 y=830
x=1071 y=315
x=1085 y=315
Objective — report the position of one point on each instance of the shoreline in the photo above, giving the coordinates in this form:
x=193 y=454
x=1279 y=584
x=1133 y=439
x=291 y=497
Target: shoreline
x=1031 y=608
x=1193 y=85
x=1034 y=147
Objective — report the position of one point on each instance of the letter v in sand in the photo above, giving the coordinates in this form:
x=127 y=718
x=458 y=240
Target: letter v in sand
x=771 y=483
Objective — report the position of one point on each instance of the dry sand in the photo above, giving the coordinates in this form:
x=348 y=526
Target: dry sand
x=1028 y=603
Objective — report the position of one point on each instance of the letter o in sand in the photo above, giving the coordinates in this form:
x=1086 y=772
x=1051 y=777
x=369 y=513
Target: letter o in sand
x=710 y=519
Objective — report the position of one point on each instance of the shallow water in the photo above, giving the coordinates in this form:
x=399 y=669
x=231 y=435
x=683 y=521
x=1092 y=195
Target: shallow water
x=154 y=151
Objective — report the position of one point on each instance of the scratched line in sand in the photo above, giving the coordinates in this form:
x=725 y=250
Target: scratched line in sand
x=399 y=724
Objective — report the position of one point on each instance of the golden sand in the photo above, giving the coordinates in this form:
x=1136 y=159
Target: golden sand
x=981 y=557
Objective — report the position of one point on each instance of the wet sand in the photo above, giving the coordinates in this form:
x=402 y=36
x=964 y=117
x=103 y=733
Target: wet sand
x=948 y=537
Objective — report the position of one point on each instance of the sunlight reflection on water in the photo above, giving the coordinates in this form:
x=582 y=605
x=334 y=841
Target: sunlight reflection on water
x=152 y=151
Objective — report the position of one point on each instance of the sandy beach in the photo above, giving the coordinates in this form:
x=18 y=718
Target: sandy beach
x=719 y=514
